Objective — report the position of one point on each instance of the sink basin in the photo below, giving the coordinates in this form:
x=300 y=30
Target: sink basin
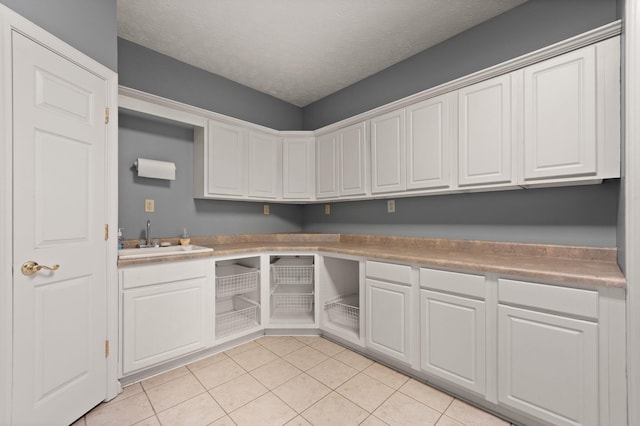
x=136 y=253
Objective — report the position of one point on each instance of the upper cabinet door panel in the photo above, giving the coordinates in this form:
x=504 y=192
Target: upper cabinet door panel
x=428 y=144
x=226 y=160
x=388 y=152
x=298 y=168
x=353 y=155
x=560 y=116
x=484 y=132
x=264 y=165
x=327 y=166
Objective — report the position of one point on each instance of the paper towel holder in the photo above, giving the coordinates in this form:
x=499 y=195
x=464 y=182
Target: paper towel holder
x=155 y=169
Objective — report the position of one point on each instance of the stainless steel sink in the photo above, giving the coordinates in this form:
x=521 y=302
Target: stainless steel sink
x=136 y=253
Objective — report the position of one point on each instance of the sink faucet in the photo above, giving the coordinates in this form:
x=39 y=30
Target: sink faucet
x=148 y=233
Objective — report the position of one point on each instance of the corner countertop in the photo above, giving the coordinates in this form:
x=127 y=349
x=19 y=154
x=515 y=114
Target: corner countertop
x=556 y=263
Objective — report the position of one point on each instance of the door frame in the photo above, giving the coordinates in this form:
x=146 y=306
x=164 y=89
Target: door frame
x=11 y=21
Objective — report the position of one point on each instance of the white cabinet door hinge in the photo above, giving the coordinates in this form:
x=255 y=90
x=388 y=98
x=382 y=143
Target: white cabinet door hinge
x=106 y=116
x=106 y=348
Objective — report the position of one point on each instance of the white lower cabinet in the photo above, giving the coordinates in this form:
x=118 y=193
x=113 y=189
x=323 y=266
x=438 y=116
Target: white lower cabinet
x=166 y=311
x=548 y=361
x=453 y=327
x=388 y=311
x=452 y=339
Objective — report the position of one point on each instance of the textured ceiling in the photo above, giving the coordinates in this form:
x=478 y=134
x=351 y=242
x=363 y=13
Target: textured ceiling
x=298 y=50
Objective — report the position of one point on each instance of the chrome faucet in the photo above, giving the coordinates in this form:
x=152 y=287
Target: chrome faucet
x=148 y=241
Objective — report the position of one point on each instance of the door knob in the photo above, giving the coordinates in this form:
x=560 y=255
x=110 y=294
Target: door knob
x=30 y=267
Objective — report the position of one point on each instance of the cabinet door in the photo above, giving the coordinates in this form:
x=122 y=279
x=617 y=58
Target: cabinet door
x=388 y=319
x=163 y=321
x=298 y=171
x=353 y=155
x=452 y=334
x=428 y=144
x=327 y=166
x=226 y=163
x=484 y=132
x=388 y=158
x=265 y=167
x=548 y=366
x=560 y=116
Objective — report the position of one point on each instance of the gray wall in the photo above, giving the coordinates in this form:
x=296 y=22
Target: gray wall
x=88 y=25
x=175 y=207
x=150 y=71
x=533 y=25
x=583 y=215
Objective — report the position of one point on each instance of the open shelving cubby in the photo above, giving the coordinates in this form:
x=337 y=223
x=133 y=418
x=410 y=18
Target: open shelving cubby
x=292 y=289
x=237 y=296
x=341 y=296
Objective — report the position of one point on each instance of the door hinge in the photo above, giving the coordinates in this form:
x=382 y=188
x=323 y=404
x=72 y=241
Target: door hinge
x=106 y=348
x=106 y=116
x=106 y=232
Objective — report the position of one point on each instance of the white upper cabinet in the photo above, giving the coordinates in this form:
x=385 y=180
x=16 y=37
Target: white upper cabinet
x=353 y=160
x=298 y=171
x=388 y=160
x=225 y=160
x=485 y=139
x=570 y=115
x=341 y=162
x=327 y=166
x=265 y=166
x=429 y=143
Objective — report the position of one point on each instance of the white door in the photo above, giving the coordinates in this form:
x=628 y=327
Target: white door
x=298 y=168
x=59 y=369
x=428 y=143
x=388 y=152
x=327 y=166
x=388 y=326
x=353 y=156
x=484 y=132
x=265 y=166
x=548 y=366
x=452 y=333
x=226 y=160
x=560 y=117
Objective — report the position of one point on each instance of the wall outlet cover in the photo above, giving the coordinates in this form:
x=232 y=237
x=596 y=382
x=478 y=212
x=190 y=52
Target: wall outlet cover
x=149 y=206
x=265 y=209
x=327 y=209
x=391 y=206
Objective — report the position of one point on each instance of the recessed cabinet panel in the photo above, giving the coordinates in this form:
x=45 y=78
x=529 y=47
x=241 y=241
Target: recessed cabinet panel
x=162 y=322
x=353 y=157
x=428 y=144
x=453 y=339
x=560 y=116
x=388 y=319
x=265 y=152
x=298 y=169
x=226 y=163
x=388 y=152
x=548 y=366
x=484 y=132
x=327 y=166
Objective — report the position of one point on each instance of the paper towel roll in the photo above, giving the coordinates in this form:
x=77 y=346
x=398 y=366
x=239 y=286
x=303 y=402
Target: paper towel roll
x=156 y=169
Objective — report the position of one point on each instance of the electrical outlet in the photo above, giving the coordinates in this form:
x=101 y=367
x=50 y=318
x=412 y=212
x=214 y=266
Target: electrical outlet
x=391 y=206
x=327 y=209
x=149 y=206
x=265 y=209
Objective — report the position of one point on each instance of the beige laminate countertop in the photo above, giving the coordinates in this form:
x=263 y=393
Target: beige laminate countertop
x=554 y=263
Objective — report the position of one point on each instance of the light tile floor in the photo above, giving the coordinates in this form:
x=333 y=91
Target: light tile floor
x=285 y=381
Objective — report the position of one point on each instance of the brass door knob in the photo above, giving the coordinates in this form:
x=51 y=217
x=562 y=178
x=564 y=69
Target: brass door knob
x=30 y=267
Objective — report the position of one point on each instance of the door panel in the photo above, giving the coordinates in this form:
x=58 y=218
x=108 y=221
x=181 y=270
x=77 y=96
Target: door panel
x=453 y=338
x=59 y=215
